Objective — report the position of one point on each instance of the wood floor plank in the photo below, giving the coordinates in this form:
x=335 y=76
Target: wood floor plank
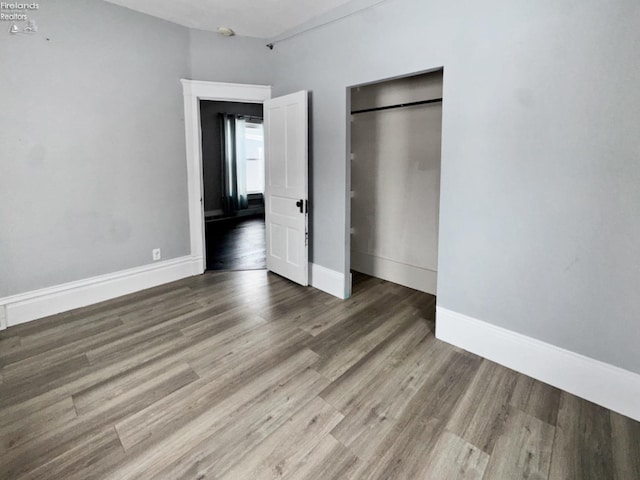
x=160 y=378
x=9 y=344
x=454 y=459
x=186 y=404
x=335 y=359
x=116 y=342
x=103 y=310
x=131 y=346
x=17 y=411
x=247 y=427
x=54 y=442
x=372 y=417
x=276 y=291
x=161 y=310
x=30 y=427
x=54 y=326
x=582 y=447
x=292 y=377
x=184 y=407
x=226 y=291
x=626 y=446
x=361 y=377
x=523 y=450
x=283 y=451
x=537 y=399
x=235 y=344
x=482 y=413
x=338 y=313
x=84 y=461
x=299 y=310
x=214 y=324
x=14 y=405
x=329 y=460
x=16 y=390
x=402 y=452
x=101 y=342
x=247 y=375
x=169 y=293
x=69 y=331
x=30 y=346
x=449 y=377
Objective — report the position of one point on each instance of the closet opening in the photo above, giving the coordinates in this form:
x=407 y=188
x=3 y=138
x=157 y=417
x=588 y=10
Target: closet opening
x=395 y=141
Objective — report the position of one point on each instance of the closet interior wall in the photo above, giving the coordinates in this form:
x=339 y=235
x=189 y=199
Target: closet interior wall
x=396 y=130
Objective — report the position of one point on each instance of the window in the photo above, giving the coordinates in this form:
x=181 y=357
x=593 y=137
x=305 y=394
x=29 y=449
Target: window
x=254 y=153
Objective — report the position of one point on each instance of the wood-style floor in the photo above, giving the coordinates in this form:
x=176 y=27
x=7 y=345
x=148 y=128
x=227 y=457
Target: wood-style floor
x=236 y=243
x=244 y=375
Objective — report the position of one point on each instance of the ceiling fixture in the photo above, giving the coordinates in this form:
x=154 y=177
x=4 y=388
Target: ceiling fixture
x=226 y=31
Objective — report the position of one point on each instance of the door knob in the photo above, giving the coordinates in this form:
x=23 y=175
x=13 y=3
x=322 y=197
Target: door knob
x=299 y=204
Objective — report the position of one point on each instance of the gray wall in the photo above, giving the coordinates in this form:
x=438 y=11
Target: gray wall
x=540 y=203
x=229 y=59
x=93 y=173
x=92 y=167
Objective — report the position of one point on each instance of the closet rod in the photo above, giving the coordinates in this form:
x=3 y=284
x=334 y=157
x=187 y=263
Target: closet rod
x=400 y=105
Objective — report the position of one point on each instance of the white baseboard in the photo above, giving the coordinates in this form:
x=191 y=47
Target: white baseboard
x=3 y=317
x=327 y=280
x=417 y=278
x=607 y=385
x=36 y=304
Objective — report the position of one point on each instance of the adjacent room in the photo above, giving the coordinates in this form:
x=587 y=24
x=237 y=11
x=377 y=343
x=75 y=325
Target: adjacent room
x=233 y=185
x=351 y=239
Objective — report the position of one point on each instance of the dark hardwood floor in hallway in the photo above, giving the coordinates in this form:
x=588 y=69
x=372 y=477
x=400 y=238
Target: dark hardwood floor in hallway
x=236 y=243
x=244 y=375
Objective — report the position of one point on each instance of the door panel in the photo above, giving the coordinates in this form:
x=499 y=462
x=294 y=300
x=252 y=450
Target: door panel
x=286 y=185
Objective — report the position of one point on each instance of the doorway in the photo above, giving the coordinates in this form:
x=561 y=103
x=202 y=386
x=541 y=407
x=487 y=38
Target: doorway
x=287 y=118
x=233 y=185
x=193 y=92
x=396 y=129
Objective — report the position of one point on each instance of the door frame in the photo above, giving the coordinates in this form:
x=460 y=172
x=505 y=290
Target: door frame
x=194 y=91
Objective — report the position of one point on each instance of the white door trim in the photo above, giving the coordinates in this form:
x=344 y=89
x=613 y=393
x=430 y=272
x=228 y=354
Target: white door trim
x=194 y=91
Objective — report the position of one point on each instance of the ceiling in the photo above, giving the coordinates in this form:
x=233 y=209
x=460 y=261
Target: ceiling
x=252 y=18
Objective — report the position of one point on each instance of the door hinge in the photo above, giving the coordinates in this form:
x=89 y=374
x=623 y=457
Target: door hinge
x=306 y=239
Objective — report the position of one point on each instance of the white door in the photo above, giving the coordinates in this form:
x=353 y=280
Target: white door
x=286 y=185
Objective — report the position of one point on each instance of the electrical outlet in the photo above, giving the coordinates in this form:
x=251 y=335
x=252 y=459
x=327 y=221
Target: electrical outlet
x=156 y=254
